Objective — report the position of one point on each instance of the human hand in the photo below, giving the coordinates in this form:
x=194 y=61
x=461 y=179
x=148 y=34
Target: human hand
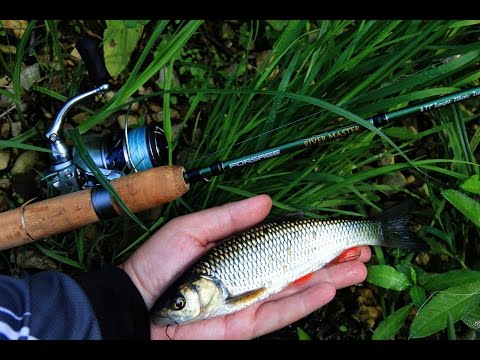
x=178 y=244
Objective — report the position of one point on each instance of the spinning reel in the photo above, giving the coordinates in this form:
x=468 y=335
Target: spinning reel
x=115 y=154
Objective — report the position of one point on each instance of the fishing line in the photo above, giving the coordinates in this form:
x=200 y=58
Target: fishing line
x=174 y=329
x=256 y=136
x=356 y=98
x=139 y=155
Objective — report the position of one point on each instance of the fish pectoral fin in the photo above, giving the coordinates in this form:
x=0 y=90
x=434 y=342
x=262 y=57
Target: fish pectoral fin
x=247 y=298
x=346 y=255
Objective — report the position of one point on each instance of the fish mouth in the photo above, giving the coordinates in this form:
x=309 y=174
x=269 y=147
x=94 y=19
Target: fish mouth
x=162 y=320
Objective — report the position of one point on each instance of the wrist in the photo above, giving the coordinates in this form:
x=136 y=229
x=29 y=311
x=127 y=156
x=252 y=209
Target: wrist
x=147 y=296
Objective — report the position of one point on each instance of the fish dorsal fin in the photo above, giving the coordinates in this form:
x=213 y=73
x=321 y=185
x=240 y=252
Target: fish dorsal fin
x=245 y=299
x=295 y=215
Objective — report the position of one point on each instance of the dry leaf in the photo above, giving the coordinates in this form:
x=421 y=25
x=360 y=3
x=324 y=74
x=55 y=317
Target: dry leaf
x=8 y=49
x=18 y=26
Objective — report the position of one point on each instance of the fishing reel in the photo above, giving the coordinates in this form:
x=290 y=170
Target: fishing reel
x=115 y=154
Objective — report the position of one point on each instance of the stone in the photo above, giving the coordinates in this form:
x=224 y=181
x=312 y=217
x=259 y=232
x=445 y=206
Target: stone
x=16 y=128
x=5 y=129
x=387 y=159
x=4 y=159
x=395 y=179
x=29 y=76
x=5 y=184
x=25 y=162
x=132 y=120
x=80 y=117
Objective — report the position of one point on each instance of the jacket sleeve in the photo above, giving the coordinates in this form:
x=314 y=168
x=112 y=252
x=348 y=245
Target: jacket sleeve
x=102 y=304
x=48 y=305
x=117 y=303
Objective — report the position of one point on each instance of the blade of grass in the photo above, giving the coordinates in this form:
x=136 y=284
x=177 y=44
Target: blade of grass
x=52 y=28
x=142 y=238
x=167 y=54
x=18 y=68
x=167 y=123
x=60 y=258
x=80 y=241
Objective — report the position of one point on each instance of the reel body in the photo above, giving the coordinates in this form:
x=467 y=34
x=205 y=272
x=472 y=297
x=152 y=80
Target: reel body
x=115 y=154
x=118 y=154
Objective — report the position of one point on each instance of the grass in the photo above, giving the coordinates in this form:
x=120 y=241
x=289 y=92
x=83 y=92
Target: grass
x=326 y=73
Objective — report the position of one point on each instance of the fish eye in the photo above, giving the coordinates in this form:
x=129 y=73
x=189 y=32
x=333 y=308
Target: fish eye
x=178 y=303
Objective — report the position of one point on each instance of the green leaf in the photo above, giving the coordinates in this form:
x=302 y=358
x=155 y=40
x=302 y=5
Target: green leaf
x=466 y=205
x=302 y=335
x=439 y=282
x=417 y=293
x=387 y=277
x=456 y=301
x=133 y=23
x=435 y=246
x=141 y=72
x=119 y=42
x=399 y=133
x=472 y=318
x=472 y=185
x=278 y=25
x=413 y=274
x=390 y=326
x=451 y=328
x=422 y=276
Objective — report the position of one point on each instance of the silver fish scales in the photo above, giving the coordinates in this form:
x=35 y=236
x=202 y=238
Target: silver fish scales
x=278 y=253
x=253 y=265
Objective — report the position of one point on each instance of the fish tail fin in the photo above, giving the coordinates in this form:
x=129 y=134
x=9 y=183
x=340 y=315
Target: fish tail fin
x=395 y=230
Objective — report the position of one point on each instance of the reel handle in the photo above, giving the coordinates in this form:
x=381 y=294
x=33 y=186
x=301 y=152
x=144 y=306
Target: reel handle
x=90 y=52
x=140 y=191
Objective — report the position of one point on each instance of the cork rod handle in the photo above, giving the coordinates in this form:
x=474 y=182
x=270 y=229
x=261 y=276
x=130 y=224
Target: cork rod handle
x=140 y=191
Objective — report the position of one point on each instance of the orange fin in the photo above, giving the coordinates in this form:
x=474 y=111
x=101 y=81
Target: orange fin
x=346 y=255
x=302 y=280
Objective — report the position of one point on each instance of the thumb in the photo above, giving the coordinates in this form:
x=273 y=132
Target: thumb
x=173 y=248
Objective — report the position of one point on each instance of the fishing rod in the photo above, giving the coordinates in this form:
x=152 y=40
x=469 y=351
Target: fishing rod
x=378 y=120
x=156 y=183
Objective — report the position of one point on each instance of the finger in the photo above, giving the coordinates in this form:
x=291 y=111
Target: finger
x=253 y=321
x=210 y=329
x=221 y=221
x=296 y=302
x=365 y=254
x=341 y=275
x=247 y=324
x=274 y=315
x=183 y=242
x=187 y=237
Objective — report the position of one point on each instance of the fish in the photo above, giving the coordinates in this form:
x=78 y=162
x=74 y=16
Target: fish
x=255 y=264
